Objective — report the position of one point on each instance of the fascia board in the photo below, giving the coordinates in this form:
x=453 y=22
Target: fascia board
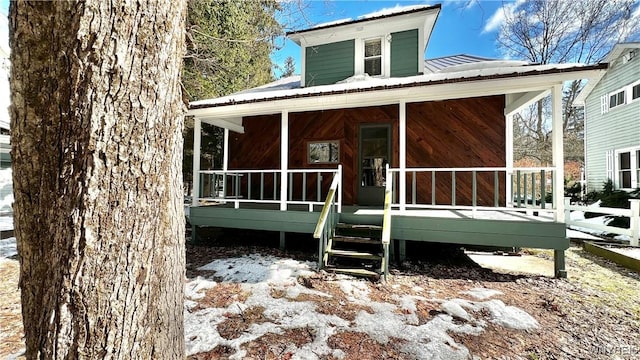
x=393 y=96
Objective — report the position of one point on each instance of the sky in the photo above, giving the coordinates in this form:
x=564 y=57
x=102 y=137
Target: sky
x=463 y=26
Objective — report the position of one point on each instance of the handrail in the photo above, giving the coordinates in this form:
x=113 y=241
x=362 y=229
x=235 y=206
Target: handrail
x=324 y=214
x=245 y=186
x=513 y=188
x=324 y=230
x=386 y=222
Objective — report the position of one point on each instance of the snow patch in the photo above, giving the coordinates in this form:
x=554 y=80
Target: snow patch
x=8 y=247
x=356 y=291
x=481 y=293
x=194 y=289
x=383 y=322
x=509 y=316
x=257 y=268
x=454 y=309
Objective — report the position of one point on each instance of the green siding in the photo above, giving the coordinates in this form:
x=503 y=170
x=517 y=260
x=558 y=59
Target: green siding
x=329 y=63
x=404 y=53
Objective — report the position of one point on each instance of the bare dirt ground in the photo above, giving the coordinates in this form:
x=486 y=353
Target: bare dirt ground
x=594 y=314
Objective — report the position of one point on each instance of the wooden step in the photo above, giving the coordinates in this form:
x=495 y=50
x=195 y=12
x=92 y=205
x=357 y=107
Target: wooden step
x=353 y=271
x=359 y=226
x=356 y=240
x=354 y=254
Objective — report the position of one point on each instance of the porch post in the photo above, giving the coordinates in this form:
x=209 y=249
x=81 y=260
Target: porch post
x=557 y=152
x=284 y=158
x=508 y=158
x=197 y=135
x=225 y=161
x=402 y=178
x=225 y=158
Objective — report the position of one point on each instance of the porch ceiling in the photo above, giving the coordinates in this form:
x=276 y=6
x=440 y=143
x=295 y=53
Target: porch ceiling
x=233 y=124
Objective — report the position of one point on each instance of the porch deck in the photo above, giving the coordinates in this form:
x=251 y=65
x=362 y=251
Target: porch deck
x=504 y=228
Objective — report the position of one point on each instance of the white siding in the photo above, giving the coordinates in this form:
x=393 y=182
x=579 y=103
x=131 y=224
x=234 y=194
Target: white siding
x=618 y=128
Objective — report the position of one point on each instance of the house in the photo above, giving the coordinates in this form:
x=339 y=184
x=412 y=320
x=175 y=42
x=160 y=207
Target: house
x=6 y=183
x=612 y=121
x=369 y=135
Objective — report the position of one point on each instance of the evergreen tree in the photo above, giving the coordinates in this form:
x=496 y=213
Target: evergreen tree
x=289 y=67
x=229 y=44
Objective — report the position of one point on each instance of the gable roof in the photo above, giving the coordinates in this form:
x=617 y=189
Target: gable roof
x=614 y=54
x=374 y=16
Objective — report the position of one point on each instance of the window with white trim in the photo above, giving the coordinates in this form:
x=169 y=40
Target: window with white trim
x=373 y=57
x=616 y=99
x=622 y=96
x=628 y=168
x=635 y=91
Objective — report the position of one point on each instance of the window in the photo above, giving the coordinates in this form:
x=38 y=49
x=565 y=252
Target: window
x=323 y=152
x=616 y=99
x=635 y=92
x=628 y=168
x=373 y=57
x=624 y=172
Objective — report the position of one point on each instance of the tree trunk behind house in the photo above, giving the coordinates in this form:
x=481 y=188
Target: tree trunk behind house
x=96 y=122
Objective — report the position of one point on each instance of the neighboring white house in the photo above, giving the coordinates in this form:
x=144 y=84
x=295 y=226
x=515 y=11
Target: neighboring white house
x=6 y=184
x=612 y=121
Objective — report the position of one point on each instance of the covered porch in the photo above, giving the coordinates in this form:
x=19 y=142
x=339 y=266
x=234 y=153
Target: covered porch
x=479 y=204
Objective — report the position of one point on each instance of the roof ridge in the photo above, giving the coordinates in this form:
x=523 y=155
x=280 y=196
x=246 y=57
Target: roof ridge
x=360 y=20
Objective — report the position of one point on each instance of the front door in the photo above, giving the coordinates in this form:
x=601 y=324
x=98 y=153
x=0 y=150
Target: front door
x=374 y=154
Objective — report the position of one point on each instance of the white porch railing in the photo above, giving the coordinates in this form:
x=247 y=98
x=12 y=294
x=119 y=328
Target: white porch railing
x=529 y=188
x=633 y=213
x=304 y=187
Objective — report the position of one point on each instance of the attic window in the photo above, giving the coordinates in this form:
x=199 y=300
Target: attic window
x=373 y=57
x=629 y=56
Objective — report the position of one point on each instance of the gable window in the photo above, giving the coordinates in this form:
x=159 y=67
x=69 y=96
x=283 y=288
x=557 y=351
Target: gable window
x=373 y=57
x=616 y=99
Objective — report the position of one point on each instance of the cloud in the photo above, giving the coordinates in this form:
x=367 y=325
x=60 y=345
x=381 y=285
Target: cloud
x=498 y=17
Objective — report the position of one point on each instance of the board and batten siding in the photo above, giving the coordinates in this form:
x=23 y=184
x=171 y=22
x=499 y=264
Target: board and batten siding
x=619 y=128
x=329 y=63
x=404 y=53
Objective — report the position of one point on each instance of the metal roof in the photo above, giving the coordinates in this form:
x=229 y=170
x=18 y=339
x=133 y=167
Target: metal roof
x=439 y=63
x=364 y=19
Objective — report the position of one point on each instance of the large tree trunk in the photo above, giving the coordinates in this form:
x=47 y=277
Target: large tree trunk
x=96 y=127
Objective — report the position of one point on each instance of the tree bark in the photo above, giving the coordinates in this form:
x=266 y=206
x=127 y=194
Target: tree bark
x=96 y=123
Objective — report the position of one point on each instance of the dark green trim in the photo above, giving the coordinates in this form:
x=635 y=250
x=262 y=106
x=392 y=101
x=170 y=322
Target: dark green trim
x=404 y=53
x=329 y=63
x=257 y=219
x=542 y=235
